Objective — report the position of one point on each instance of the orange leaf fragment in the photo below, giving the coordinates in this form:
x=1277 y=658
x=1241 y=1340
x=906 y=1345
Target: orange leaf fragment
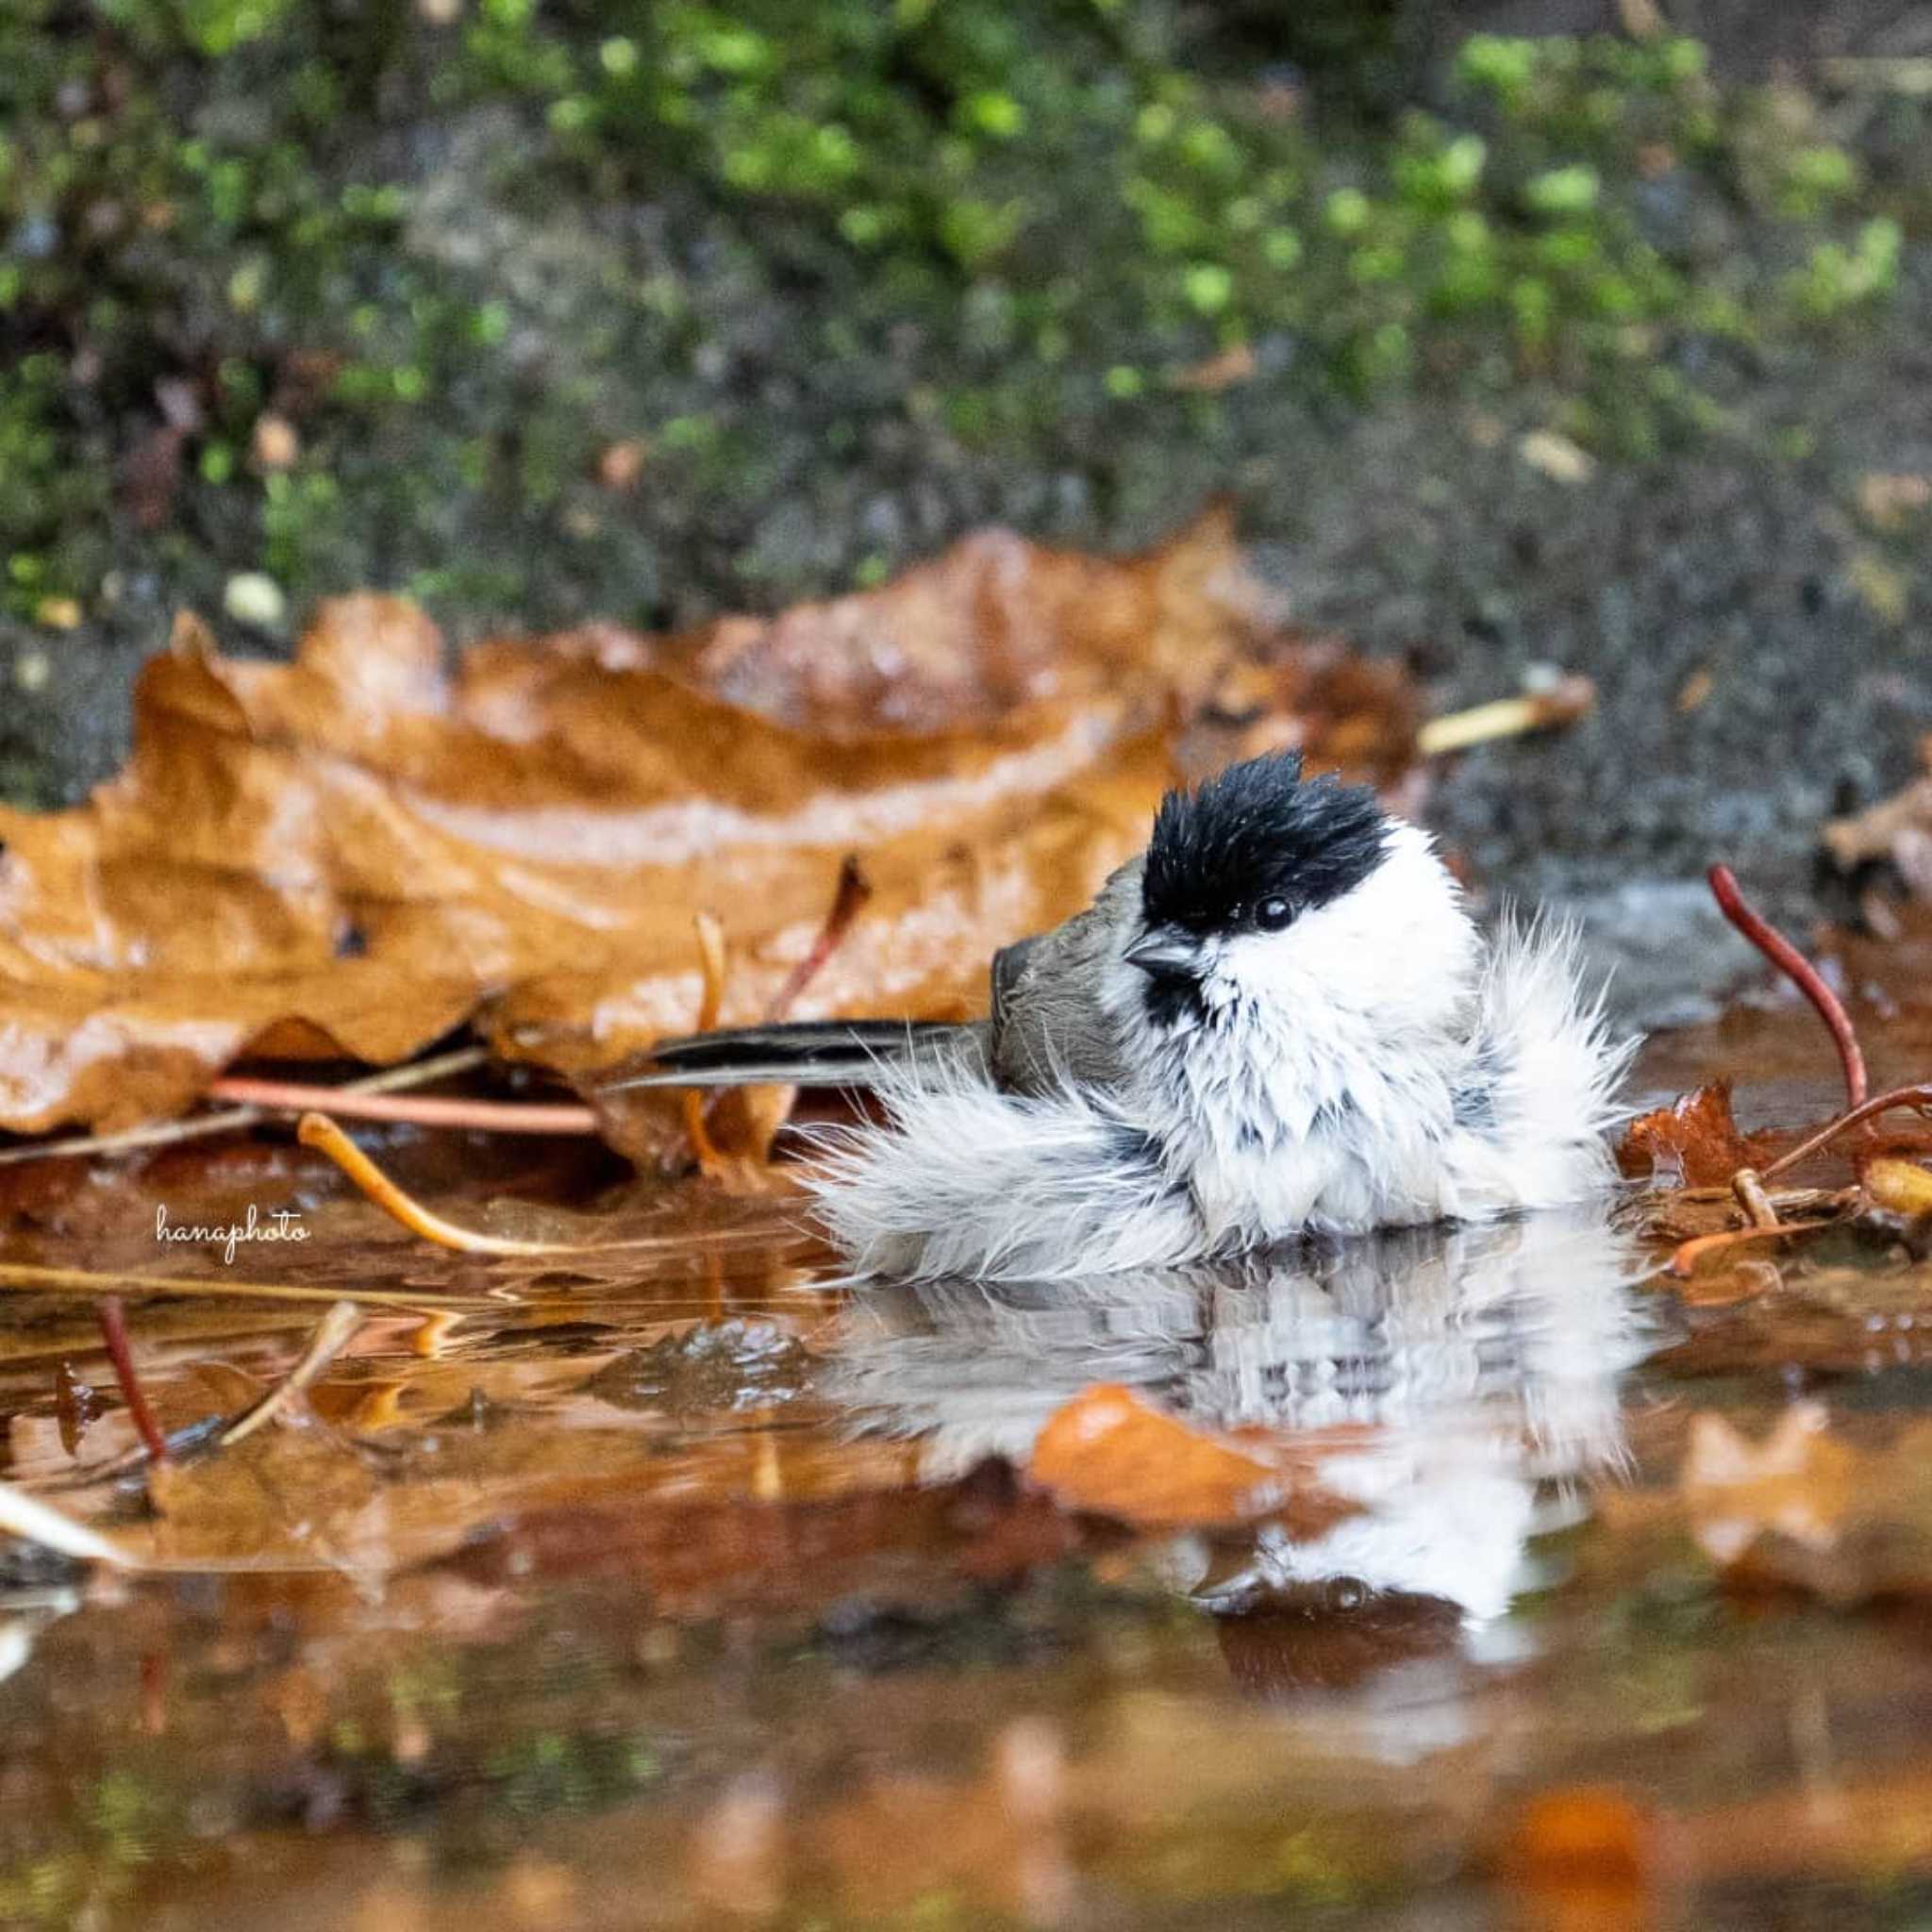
x=1694 y=1143
x=1110 y=1453
x=1588 y=1828
x=1589 y=1852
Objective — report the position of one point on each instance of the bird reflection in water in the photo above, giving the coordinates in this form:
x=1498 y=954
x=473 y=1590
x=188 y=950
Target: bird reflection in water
x=1477 y=1367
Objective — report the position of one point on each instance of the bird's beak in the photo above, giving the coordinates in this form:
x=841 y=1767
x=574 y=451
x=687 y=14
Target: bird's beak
x=1163 y=955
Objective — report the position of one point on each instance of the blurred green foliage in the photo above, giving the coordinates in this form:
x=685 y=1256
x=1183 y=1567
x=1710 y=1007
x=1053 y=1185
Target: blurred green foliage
x=464 y=246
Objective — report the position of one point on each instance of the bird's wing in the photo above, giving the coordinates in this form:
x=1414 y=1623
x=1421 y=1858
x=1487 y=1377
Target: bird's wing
x=1008 y=969
x=1048 y=1025
x=799 y=1053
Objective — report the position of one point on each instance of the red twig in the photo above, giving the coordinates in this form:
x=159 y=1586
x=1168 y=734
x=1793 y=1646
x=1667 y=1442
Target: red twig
x=848 y=898
x=415 y=1110
x=114 y=1333
x=1802 y=974
x=1919 y=1097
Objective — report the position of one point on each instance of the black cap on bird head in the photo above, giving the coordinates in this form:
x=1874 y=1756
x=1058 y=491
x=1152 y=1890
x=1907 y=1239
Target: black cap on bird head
x=1260 y=833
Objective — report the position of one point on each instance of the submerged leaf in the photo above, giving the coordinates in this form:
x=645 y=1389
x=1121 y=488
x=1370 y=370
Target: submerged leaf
x=1108 y=1453
x=737 y=1363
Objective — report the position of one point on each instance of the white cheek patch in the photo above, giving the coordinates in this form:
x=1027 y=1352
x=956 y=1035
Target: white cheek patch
x=1399 y=946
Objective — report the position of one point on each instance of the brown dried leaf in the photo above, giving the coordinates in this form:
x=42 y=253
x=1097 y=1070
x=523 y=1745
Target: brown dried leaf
x=310 y=1493
x=1110 y=1453
x=1694 y=1143
x=353 y=853
x=996 y=625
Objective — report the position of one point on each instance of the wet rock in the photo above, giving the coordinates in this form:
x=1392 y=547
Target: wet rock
x=1667 y=952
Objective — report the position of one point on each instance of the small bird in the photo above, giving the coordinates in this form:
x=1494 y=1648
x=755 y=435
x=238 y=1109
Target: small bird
x=1279 y=1020
x=1452 y=1383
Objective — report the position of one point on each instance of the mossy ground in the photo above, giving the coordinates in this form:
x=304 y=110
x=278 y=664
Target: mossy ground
x=544 y=307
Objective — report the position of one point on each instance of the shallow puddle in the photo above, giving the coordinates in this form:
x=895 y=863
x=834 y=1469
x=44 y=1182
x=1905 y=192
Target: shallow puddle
x=703 y=1593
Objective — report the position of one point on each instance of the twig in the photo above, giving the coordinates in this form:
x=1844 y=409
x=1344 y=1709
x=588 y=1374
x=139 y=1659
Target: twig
x=338 y=1329
x=318 y=1131
x=1800 y=972
x=483 y=1116
x=1919 y=1097
x=82 y=1281
x=1684 y=1261
x=114 y=1333
x=1562 y=704
x=231 y=1119
x=710 y=999
x=35 y=1521
x=28 y=1517
x=1748 y=1185
x=848 y=900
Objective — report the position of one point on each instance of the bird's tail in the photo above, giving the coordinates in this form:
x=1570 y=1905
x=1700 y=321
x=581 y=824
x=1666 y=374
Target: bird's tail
x=797 y=1052
x=963 y=1179
x=1549 y=1068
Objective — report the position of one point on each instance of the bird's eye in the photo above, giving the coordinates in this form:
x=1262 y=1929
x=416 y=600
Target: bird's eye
x=1270 y=915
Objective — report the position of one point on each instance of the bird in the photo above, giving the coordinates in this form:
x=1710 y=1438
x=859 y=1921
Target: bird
x=1457 y=1384
x=1278 y=1021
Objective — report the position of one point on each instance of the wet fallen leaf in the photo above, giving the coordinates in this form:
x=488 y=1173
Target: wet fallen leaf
x=1796 y=1483
x=1110 y=1453
x=1586 y=1837
x=1694 y=1143
x=350 y=855
x=994 y=624
x=1902 y=1185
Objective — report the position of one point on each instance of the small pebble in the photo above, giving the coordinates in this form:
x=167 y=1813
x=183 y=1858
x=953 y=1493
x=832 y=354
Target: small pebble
x=275 y=443
x=255 y=599
x=57 y=613
x=1557 y=457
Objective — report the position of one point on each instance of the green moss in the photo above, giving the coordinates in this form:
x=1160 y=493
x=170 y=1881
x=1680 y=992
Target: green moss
x=776 y=235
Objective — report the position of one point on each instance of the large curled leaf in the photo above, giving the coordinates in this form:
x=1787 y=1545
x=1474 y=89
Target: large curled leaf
x=352 y=854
